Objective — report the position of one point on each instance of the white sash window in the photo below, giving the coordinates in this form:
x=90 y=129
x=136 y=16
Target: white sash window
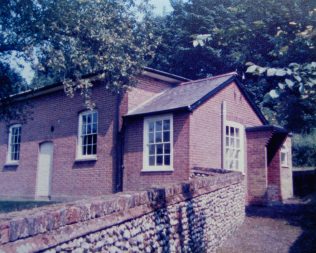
x=158 y=143
x=87 y=135
x=14 y=143
x=234 y=146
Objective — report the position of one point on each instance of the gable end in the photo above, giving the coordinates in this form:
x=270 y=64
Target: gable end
x=243 y=91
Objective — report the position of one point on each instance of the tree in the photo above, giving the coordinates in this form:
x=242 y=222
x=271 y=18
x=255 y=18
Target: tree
x=207 y=37
x=65 y=40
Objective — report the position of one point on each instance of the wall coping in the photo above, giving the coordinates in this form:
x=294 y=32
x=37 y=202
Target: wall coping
x=46 y=225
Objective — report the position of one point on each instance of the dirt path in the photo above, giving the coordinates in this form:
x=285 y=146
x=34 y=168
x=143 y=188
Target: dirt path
x=287 y=228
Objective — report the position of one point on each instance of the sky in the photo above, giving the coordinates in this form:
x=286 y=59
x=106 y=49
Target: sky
x=160 y=5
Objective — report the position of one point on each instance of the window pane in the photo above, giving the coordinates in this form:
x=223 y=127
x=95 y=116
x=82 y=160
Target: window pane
x=159 y=125
x=151 y=126
x=232 y=142
x=84 y=150
x=158 y=136
x=94 y=149
x=151 y=149
x=94 y=139
x=89 y=129
x=95 y=117
x=151 y=160
x=283 y=157
x=166 y=136
x=89 y=149
x=227 y=130
x=237 y=132
x=94 y=128
x=89 y=119
x=159 y=160
x=84 y=119
x=151 y=137
x=167 y=149
x=84 y=129
x=166 y=125
x=227 y=141
x=167 y=159
x=159 y=149
x=232 y=132
x=237 y=143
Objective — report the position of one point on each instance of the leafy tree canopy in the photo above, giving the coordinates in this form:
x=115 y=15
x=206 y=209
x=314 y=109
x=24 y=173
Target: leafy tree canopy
x=207 y=37
x=64 y=40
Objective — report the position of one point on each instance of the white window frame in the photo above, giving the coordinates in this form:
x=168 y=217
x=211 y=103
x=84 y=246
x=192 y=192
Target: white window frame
x=285 y=151
x=79 y=154
x=155 y=168
x=241 y=161
x=9 y=154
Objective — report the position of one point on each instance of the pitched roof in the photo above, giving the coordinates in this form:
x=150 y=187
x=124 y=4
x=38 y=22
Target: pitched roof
x=189 y=95
x=154 y=73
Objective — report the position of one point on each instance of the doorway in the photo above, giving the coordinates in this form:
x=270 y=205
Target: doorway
x=44 y=170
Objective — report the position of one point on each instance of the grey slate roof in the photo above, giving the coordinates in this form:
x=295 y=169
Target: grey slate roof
x=183 y=96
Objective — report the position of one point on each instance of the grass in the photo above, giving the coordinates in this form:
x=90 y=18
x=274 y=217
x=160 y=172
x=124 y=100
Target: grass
x=7 y=206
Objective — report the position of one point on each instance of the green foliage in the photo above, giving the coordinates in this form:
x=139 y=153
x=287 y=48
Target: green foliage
x=292 y=101
x=299 y=77
x=207 y=37
x=304 y=150
x=11 y=83
x=64 y=40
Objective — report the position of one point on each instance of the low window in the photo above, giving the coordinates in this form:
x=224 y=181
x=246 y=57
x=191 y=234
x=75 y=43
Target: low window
x=88 y=133
x=14 y=143
x=158 y=143
x=234 y=146
x=284 y=156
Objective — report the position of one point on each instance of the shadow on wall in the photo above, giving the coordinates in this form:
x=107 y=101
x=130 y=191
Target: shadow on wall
x=189 y=229
x=301 y=215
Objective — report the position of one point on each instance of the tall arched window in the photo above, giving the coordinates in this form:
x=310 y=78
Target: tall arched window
x=87 y=134
x=234 y=146
x=14 y=143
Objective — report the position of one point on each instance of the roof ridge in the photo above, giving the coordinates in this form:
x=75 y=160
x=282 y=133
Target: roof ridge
x=210 y=78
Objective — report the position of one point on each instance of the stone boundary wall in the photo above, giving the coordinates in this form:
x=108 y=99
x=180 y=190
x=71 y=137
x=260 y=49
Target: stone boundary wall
x=192 y=216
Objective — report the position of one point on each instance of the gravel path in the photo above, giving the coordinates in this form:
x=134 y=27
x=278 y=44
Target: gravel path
x=287 y=228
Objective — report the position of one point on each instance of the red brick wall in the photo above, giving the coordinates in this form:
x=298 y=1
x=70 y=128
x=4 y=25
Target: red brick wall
x=69 y=178
x=206 y=125
x=274 y=179
x=257 y=175
x=146 y=88
x=134 y=179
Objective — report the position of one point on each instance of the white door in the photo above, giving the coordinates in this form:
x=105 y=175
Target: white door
x=44 y=168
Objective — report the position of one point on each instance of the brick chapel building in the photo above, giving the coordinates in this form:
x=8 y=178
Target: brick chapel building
x=158 y=132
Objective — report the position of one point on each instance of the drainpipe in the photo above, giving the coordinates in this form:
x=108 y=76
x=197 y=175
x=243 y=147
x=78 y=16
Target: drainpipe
x=118 y=147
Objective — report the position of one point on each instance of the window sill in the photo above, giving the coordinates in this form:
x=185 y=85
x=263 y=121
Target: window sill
x=86 y=159
x=11 y=163
x=157 y=170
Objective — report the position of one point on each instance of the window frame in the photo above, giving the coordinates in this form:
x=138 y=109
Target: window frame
x=156 y=168
x=242 y=144
x=9 y=160
x=79 y=153
x=284 y=150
